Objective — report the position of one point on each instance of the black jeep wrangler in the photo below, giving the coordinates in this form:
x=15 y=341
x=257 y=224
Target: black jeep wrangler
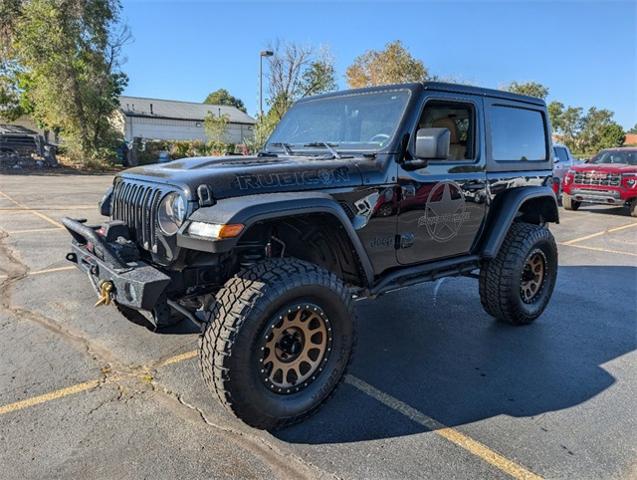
x=355 y=194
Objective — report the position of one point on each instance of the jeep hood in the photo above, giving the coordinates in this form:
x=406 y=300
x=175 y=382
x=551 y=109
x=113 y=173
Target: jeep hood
x=605 y=168
x=237 y=176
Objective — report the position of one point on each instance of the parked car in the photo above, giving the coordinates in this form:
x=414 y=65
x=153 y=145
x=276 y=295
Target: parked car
x=355 y=194
x=609 y=178
x=19 y=145
x=563 y=160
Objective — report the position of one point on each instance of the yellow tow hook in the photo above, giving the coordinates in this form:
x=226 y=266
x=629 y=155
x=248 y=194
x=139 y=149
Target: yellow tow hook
x=105 y=287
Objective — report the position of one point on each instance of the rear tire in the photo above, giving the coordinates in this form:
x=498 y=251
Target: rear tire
x=516 y=285
x=258 y=318
x=568 y=203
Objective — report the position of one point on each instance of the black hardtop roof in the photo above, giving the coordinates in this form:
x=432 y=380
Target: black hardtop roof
x=441 y=87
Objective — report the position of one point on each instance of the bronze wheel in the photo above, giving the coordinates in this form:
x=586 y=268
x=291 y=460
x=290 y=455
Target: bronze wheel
x=533 y=276
x=279 y=340
x=296 y=346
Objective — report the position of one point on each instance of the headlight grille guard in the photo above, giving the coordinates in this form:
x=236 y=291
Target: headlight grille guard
x=135 y=203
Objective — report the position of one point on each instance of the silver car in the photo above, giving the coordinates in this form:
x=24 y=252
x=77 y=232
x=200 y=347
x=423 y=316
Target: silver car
x=563 y=161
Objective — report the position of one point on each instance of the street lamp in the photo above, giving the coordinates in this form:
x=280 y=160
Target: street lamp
x=263 y=53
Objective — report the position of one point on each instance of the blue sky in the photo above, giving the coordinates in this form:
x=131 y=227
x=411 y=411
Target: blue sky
x=584 y=51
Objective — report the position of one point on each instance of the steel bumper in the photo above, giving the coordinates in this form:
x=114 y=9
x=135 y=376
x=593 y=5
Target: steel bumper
x=135 y=284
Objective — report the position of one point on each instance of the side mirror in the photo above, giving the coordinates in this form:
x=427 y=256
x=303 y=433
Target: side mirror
x=433 y=143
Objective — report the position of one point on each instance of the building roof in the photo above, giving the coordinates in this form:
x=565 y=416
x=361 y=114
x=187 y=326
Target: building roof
x=178 y=110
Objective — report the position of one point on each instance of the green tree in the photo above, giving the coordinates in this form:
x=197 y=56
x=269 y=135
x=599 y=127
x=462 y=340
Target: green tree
x=599 y=130
x=556 y=110
x=216 y=127
x=633 y=130
x=394 y=64
x=223 y=97
x=611 y=136
x=533 y=89
x=11 y=98
x=68 y=56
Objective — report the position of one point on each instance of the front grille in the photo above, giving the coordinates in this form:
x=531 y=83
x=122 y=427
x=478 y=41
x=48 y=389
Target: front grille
x=136 y=204
x=597 y=178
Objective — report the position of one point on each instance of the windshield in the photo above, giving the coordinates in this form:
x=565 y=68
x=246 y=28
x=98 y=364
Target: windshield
x=359 y=122
x=616 y=156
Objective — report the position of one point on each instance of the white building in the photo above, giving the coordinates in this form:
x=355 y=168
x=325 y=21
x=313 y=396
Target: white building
x=155 y=119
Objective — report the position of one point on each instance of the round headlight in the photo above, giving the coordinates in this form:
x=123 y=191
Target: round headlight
x=171 y=213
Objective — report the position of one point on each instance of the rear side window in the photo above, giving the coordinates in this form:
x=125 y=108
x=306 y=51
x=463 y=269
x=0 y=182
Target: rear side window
x=560 y=153
x=517 y=134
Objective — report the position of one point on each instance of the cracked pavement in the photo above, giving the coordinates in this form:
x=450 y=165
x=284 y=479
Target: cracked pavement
x=556 y=397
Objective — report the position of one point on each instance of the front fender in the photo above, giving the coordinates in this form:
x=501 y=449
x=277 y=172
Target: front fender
x=506 y=207
x=250 y=209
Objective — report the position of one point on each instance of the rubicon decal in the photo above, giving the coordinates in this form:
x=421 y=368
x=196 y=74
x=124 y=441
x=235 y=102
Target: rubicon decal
x=444 y=211
x=283 y=179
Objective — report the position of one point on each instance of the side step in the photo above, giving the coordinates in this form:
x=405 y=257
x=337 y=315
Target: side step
x=425 y=273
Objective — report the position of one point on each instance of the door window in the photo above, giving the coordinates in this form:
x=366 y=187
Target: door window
x=459 y=119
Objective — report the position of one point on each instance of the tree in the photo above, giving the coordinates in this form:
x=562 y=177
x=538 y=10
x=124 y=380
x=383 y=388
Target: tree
x=11 y=99
x=611 y=136
x=633 y=130
x=599 y=131
x=69 y=71
x=297 y=71
x=394 y=64
x=533 y=89
x=216 y=127
x=556 y=110
x=570 y=124
x=566 y=122
x=223 y=97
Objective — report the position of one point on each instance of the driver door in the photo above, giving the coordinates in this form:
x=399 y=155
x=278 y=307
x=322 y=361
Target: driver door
x=442 y=205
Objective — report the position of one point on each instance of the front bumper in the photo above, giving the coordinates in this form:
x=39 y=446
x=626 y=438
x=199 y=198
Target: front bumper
x=136 y=284
x=605 y=197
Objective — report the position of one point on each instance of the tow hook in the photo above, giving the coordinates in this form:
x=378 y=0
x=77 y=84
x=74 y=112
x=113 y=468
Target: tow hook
x=105 y=288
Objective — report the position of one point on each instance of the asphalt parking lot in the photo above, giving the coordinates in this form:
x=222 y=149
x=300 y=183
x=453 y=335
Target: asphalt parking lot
x=437 y=389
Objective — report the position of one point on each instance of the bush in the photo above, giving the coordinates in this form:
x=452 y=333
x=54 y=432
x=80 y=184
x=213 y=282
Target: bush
x=149 y=152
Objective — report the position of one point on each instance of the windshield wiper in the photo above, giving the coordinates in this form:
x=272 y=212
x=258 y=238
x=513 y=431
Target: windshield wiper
x=265 y=153
x=329 y=147
x=284 y=146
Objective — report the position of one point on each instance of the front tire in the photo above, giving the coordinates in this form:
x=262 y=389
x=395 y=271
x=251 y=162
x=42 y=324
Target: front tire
x=632 y=208
x=278 y=341
x=569 y=204
x=516 y=285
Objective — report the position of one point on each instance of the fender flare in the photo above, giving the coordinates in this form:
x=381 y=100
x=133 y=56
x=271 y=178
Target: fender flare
x=504 y=209
x=250 y=209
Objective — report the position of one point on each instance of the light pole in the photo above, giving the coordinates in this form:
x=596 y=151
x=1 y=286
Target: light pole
x=263 y=53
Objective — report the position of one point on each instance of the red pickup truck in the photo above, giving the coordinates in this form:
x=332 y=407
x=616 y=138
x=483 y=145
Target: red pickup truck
x=609 y=178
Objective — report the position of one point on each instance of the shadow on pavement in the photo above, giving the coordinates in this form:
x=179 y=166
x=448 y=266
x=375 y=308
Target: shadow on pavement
x=441 y=354
x=606 y=210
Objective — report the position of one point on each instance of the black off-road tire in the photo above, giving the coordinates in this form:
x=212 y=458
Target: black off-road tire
x=501 y=277
x=229 y=351
x=569 y=204
x=632 y=208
